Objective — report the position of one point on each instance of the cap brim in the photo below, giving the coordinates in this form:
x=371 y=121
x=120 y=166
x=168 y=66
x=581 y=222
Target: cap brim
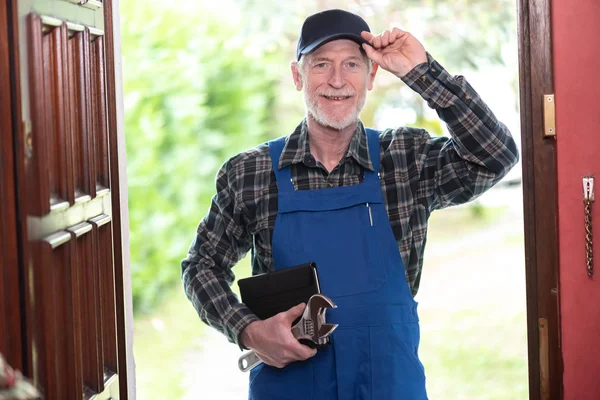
x=318 y=43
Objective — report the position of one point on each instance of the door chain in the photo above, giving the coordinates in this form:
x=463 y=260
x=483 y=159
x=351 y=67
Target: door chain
x=588 y=199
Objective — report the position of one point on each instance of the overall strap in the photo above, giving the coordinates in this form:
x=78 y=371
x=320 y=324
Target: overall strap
x=373 y=144
x=283 y=176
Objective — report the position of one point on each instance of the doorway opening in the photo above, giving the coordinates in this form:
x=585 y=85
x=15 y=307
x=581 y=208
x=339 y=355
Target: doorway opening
x=236 y=92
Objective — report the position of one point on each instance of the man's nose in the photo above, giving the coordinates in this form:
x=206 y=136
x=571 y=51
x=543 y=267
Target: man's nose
x=336 y=78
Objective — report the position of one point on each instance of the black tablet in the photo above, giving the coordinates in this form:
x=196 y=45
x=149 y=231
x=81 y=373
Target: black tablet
x=274 y=292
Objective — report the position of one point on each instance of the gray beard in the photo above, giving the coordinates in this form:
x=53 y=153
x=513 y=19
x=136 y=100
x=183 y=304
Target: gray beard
x=321 y=118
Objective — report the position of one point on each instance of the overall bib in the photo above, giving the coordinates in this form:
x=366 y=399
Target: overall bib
x=373 y=354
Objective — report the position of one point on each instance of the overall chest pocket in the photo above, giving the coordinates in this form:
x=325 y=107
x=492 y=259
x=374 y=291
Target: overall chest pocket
x=346 y=245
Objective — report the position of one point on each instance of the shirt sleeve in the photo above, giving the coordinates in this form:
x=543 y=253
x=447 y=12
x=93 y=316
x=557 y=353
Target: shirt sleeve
x=221 y=241
x=480 y=150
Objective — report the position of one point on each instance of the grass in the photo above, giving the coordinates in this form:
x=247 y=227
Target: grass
x=472 y=308
x=476 y=362
x=162 y=338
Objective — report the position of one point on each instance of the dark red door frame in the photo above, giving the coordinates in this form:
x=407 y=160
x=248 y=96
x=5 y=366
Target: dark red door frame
x=540 y=202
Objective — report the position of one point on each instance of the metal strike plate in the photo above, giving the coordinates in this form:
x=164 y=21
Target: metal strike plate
x=549 y=116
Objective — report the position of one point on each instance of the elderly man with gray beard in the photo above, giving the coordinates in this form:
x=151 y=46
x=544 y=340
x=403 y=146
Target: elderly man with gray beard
x=354 y=200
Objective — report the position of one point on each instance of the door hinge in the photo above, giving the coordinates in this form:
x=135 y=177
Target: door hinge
x=549 y=116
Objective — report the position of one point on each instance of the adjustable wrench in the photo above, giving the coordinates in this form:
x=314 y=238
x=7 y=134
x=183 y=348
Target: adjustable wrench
x=311 y=329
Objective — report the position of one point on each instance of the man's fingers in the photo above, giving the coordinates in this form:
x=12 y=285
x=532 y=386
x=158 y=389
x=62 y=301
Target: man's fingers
x=372 y=53
x=302 y=351
x=395 y=34
x=376 y=42
x=299 y=351
x=307 y=352
x=368 y=36
x=268 y=360
x=294 y=312
x=385 y=38
x=398 y=34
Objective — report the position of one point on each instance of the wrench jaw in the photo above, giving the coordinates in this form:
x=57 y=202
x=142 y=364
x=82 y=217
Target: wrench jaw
x=318 y=301
x=316 y=308
x=326 y=330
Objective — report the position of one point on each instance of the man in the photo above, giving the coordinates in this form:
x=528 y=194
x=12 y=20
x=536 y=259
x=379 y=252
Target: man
x=356 y=202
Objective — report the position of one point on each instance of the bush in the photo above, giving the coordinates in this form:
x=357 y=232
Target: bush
x=193 y=96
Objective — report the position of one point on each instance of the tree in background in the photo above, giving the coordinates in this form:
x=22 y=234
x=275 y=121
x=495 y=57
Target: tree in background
x=193 y=97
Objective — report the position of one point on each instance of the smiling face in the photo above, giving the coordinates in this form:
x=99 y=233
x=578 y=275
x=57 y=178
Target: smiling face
x=335 y=79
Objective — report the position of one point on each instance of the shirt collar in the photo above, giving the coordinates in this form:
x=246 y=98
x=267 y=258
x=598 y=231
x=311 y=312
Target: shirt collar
x=297 y=150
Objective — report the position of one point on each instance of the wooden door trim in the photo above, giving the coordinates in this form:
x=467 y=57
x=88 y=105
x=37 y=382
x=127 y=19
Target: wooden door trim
x=540 y=201
x=11 y=276
x=119 y=200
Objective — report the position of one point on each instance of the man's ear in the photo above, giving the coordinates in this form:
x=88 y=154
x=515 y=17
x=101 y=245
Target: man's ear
x=296 y=75
x=372 y=75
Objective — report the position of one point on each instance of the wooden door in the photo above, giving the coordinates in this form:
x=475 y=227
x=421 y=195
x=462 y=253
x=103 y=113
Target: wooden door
x=70 y=281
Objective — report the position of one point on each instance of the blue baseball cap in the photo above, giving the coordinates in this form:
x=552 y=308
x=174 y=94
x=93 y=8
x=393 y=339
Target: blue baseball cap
x=329 y=25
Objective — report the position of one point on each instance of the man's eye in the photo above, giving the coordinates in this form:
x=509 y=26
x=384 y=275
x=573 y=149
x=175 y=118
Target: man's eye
x=352 y=64
x=320 y=65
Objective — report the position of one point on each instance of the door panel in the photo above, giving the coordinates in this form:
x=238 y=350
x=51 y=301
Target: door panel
x=55 y=352
x=85 y=274
x=74 y=337
x=99 y=114
x=102 y=229
x=79 y=111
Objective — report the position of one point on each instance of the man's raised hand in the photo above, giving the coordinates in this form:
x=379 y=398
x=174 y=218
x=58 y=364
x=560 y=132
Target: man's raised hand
x=395 y=51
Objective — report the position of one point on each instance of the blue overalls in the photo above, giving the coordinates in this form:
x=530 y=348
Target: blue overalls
x=346 y=231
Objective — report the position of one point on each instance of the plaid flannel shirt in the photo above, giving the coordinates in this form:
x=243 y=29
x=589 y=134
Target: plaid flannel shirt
x=418 y=174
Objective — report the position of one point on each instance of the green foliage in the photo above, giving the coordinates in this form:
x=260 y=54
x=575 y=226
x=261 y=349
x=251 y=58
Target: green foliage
x=194 y=95
x=477 y=209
